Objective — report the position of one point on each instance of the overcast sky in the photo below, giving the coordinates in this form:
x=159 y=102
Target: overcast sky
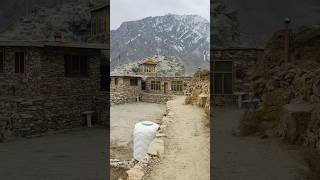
x=128 y=10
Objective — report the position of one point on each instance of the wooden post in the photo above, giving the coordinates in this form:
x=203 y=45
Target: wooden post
x=287 y=40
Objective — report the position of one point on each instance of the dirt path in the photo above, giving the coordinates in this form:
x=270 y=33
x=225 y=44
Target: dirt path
x=250 y=158
x=79 y=154
x=187 y=153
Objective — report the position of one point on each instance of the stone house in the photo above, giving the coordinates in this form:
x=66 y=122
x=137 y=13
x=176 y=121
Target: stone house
x=49 y=85
x=231 y=70
x=148 y=67
x=125 y=88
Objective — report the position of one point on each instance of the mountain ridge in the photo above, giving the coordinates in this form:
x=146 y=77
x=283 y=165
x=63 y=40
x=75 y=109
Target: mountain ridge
x=183 y=36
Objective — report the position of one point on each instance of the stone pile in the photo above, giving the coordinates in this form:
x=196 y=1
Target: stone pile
x=199 y=87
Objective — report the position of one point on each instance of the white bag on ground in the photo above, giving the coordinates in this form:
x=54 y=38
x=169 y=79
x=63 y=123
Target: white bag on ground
x=143 y=134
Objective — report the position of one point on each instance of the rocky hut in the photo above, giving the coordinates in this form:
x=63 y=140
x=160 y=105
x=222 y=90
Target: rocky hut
x=49 y=85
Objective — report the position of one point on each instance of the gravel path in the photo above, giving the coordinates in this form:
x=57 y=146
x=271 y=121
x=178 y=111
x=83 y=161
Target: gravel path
x=187 y=151
x=250 y=158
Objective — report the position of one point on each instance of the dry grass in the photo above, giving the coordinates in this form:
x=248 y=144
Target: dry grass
x=312 y=159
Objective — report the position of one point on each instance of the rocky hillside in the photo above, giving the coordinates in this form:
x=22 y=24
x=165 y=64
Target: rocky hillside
x=225 y=26
x=300 y=77
x=184 y=36
x=72 y=19
x=291 y=90
x=166 y=66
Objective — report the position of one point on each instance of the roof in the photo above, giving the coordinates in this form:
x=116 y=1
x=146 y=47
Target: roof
x=237 y=48
x=53 y=44
x=150 y=61
x=102 y=6
x=127 y=76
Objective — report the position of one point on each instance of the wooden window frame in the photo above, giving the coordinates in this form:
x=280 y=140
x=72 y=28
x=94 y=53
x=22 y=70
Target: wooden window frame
x=20 y=63
x=134 y=82
x=223 y=74
x=177 y=86
x=77 y=65
x=155 y=85
x=2 y=61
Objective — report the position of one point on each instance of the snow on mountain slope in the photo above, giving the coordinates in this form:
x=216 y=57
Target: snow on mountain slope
x=183 y=36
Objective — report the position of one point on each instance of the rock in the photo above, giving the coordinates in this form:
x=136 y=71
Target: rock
x=156 y=147
x=294 y=121
x=135 y=174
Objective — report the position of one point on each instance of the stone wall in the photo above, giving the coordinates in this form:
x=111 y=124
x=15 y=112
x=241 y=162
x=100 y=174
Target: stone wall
x=155 y=98
x=122 y=92
x=43 y=98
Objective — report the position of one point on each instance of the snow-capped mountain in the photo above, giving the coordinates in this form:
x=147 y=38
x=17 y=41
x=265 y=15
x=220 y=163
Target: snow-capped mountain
x=183 y=36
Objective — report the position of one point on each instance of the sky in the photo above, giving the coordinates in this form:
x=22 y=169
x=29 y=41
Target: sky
x=129 y=10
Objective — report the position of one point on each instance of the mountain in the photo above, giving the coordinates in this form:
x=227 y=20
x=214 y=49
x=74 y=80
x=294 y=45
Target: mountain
x=183 y=36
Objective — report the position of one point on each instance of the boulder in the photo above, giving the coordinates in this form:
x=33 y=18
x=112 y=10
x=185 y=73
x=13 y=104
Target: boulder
x=294 y=120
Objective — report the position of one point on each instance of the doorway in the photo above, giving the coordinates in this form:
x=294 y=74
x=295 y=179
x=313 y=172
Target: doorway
x=165 y=88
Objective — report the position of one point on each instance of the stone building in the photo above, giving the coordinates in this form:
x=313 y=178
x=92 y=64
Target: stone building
x=100 y=24
x=49 y=85
x=148 y=67
x=232 y=72
x=125 y=89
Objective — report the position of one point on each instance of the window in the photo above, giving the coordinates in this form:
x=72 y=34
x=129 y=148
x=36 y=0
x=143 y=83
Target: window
x=223 y=77
x=176 y=86
x=115 y=81
x=76 y=65
x=1 y=62
x=133 y=82
x=155 y=85
x=19 y=62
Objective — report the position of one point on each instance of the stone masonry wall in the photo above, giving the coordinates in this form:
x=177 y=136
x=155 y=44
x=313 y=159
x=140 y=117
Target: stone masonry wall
x=43 y=98
x=244 y=61
x=155 y=98
x=122 y=92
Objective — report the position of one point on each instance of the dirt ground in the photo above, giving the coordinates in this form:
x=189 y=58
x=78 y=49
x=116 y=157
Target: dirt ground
x=122 y=121
x=250 y=158
x=187 y=148
x=76 y=155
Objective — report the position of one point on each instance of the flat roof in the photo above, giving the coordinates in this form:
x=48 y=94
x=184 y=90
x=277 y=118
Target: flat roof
x=128 y=76
x=102 y=6
x=237 y=48
x=53 y=44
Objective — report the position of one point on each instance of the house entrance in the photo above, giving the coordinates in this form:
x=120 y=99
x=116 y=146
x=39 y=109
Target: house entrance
x=165 y=88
